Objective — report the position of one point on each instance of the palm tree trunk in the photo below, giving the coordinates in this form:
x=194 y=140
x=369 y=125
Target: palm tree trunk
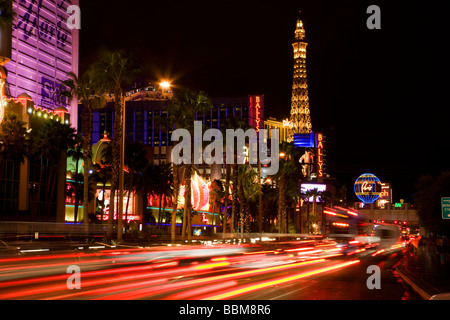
x=164 y=211
x=187 y=200
x=260 y=209
x=241 y=217
x=111 y=213
x=2 y=168
x=307 y=218
x=144 y=206
x=76 y=194
x=159 y=211
x=38 y=195
x=126 y=207
x=176 y=188
x=282 y=204
x=234 y=195
x=103 y=206
x=227 y=189
x=50 y=183
x=86 y=191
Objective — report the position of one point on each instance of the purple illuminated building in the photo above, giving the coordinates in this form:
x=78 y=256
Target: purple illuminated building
x=44 y=50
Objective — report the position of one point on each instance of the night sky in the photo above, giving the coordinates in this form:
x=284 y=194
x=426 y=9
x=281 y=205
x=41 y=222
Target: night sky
x=379 y=96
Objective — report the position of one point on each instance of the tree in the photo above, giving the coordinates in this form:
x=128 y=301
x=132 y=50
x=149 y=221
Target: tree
x=115 y=70
x=233 y=170
x=288 y=183
x=182 y=112
x=87 y=89
x=248 y=190
x=7 y=13
x=428 y=196
x=48 y=145
x=13 y=141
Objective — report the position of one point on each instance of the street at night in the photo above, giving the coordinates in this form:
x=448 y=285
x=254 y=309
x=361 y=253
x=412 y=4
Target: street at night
x=291 y=270
x=255 y=159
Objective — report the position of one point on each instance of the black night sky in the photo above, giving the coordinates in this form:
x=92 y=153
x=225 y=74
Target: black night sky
x=379 y=96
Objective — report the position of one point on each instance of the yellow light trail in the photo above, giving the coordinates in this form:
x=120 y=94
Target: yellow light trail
x=265 y=284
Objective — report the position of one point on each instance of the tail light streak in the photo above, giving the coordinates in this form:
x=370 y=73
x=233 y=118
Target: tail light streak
x=264 y=284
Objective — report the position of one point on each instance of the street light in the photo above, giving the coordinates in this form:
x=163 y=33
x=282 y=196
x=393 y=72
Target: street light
x=165 y=85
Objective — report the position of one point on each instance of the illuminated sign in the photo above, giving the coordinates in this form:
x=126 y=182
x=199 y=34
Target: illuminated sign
x=385 y=195
x=44 y=50
x=257 y=111
x=367 y=188
x=305 y=140
x=319 y=150
x=311 y=186
x=287 y=124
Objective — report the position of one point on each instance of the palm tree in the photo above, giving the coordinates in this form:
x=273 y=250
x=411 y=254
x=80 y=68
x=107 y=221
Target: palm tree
x=48 y=145
x=13 y=141
x=7 y=13
x=248 y=190
x=182 y=112
x=87 y=90
x=115 y=70
x=233 y=171
x=288 y=183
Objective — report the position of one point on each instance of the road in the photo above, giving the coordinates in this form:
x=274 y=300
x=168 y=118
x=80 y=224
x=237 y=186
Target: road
x=295 y=270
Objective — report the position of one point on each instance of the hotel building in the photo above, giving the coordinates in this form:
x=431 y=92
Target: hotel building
x=36 y=53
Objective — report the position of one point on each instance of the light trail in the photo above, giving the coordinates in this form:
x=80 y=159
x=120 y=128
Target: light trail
x=145 y=292
x=264 y=284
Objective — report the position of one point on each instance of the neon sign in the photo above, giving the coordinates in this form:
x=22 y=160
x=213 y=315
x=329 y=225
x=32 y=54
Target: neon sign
x=319 y=155
x=32 y=24
x=255 y=105
x=287 y=124
x=367 y=188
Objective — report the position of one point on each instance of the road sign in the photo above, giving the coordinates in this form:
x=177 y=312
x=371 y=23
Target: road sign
x=445 y=207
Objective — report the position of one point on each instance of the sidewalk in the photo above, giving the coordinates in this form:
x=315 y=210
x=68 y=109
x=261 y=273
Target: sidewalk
x=426 y=271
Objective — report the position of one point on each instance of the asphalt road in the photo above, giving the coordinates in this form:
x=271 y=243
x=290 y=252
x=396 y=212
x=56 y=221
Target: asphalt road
x=303 y=270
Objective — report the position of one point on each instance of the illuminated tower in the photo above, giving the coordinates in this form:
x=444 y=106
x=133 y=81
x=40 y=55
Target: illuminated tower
x=300 y=120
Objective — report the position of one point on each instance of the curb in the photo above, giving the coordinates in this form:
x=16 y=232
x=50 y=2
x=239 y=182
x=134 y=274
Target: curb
x=412 y=284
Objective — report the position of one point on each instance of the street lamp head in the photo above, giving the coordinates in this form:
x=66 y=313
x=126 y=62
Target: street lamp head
x=165 y=84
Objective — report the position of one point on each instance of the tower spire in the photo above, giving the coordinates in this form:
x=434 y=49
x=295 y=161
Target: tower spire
x=300 y=120
x=299 y=30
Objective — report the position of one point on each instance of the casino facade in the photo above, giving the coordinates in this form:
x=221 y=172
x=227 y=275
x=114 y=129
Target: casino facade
x=37 y=51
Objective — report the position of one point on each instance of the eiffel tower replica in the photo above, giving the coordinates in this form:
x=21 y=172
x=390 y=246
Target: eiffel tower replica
x=300 y=119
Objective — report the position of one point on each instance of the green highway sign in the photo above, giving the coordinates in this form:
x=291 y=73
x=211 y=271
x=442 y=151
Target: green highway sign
x=445 y=206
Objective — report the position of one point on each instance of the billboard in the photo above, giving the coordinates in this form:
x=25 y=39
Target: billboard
x=305 y=140
x=310 y=186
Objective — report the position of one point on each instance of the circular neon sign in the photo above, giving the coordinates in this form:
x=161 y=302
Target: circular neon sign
x=368 y=188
